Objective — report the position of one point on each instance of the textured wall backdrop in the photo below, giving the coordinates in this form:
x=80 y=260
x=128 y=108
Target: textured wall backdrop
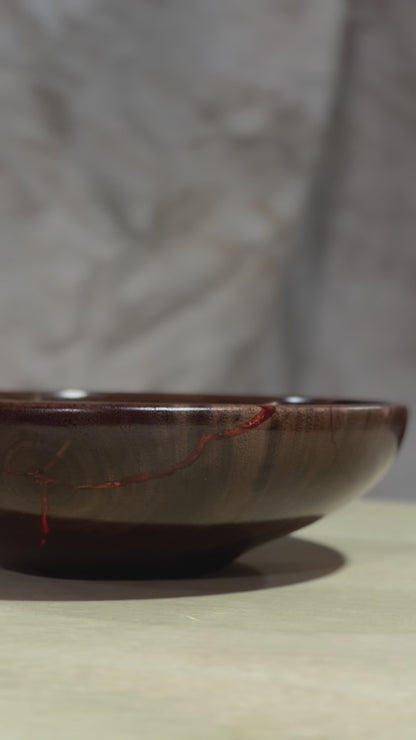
x=209 y=195
x=155 y=157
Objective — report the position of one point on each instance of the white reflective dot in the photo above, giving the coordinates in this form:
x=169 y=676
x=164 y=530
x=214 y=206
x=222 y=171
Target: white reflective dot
x=72 y=393
x=295 y=399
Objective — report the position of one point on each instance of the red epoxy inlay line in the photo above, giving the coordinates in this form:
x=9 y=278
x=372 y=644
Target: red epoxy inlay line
x=43 y=481
x=44 y=513
x=265 y=413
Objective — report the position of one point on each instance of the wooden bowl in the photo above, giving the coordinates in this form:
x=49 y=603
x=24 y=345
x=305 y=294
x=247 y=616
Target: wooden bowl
x=129 y=485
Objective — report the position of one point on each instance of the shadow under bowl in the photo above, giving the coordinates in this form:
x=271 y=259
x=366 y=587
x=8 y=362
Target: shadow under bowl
x=148 y=485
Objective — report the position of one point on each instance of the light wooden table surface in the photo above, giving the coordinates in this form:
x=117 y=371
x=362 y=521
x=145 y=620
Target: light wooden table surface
x=309 y=637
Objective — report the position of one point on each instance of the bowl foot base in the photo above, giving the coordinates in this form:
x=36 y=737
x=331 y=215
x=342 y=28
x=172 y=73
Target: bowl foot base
x=113 y=550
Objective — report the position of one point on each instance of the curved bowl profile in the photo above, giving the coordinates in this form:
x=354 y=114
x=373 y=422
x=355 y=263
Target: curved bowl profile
x=152 y=485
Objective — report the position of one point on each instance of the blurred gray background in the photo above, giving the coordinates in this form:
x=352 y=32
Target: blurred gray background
x=210 y=195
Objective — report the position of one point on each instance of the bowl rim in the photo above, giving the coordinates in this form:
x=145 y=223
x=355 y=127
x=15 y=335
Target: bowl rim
x=76 y=399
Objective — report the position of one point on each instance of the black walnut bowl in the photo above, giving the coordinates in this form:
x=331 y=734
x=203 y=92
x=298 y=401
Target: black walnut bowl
x=128 y=485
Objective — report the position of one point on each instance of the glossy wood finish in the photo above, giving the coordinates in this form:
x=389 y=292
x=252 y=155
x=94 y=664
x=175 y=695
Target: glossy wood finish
x=124 y=484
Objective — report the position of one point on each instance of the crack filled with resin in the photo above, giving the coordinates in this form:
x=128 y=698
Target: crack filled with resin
x=44 y=481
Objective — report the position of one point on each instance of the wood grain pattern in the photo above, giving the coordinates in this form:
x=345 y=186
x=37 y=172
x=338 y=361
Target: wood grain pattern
x=124 y=482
